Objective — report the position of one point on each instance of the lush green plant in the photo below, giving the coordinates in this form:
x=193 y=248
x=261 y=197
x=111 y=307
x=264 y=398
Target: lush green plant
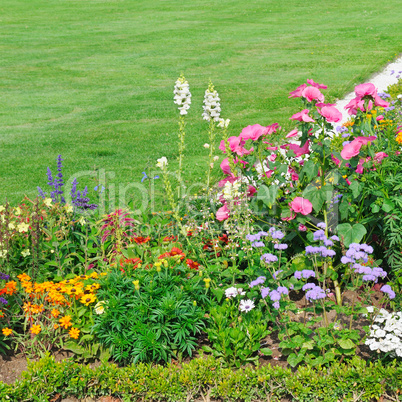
x=152 y=316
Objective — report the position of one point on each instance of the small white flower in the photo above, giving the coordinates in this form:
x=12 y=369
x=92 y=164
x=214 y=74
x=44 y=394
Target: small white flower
x=47 y=202
x=100 y=307
x=11 y=226
x=162 y=162
x=206 y=146
x=25 y=252
x=246 y=305
x=216 y=157
x=223 y=123
x=23 y=227
x=211 y=165
x=399 y=96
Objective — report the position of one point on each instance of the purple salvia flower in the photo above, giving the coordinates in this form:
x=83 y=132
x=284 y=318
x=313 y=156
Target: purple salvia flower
x=5 y=277
x=41 y=193
x=3 y=300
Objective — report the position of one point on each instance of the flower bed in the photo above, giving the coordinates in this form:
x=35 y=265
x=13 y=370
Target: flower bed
x=293 y=258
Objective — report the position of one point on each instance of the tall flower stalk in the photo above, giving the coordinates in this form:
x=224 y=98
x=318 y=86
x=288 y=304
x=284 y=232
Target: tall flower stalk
x=212 y=109
x=182 y=98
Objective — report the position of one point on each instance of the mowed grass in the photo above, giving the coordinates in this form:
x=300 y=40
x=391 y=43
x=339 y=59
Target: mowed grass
x=93 y=80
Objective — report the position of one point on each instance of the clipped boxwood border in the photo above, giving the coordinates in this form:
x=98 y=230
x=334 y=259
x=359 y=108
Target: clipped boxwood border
x=205 y=378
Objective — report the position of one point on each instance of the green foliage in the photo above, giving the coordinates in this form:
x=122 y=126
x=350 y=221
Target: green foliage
x=236 y=338
x=159 y=320
x=205 y=378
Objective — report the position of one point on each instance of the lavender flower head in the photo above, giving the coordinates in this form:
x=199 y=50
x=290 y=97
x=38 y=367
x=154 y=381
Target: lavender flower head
x=265 y=292
x=315 y=293
x=268 y=257
x=321 y=225
x=282 y=246
x=305 y=274
x=387 y=289
x=259 y=281
x=258 y=244
x=319 y=235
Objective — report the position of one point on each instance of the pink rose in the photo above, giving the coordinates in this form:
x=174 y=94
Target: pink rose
x=299 y=151
x=331 y=114
x=297 y=93
x=352 y=149
x=292 y=133
x=302 y=228
x=226 y=167
x=222 y=213
x=312 y=93
x=253 y=132
x=336 y=160
x=301 y=205
x=379 y=156
x=365 y=89
x=314 y=84
x=302 y=116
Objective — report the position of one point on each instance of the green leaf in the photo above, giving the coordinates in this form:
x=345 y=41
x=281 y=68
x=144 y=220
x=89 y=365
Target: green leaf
x=207 y=349
x=346 y=344
x=316 y=196
x=375 y=208
x=218 y=293
x=351 y=234
x=355 y=187
x=268 y=194
x=308 y=345
x=388 y=205
x=294 y=360
x=266 y=351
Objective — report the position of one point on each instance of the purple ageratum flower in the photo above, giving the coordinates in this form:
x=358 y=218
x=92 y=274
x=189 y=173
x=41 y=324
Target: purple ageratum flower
x=355 y=246
x=389 y=108
x=383 y=95
x=379 y=272
x=315 y=294
x=346 y=260
x=334 y=238
x=346 y=135
x=321 y=225
x=254 y=237
x=328 y=243
x=276 y=305
x=367 y=249
x=268 y=257
x=3 y=300
x=277 y=235
x=370 y=277
x=265 y=292
x=4 y=277
x=280 y=246
x=309 y=286
x=341 y=129
x=345 y=143
x=328 y=253
x=387 y=289
x=283 y=290
x=319 y=235
x=262 y=233
x=312 y=250
x=259 y=281
x=258 y=244
x=274 y=295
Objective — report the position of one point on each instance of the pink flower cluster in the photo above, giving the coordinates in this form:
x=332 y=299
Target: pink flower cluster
x=366 y=98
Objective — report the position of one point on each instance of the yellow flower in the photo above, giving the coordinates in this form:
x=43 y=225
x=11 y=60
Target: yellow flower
x=207 y=280
x=25 y=252
x=23 y=227
x=91 y=288
x=74 y=333
x=35 y=329
x=136 y=285
x=17 y=211
x=47 y=202
x=7 y=331
x=88 y=299
x=55 y=313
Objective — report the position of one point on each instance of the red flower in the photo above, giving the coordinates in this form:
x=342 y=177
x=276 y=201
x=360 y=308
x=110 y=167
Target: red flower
x=172 y=253
x=170 y=238
x=224 y=238
x=192 y=264
x=141 y=240
x=136 y=262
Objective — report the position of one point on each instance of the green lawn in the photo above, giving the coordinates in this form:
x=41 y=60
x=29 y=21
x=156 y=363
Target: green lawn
x=93 y=79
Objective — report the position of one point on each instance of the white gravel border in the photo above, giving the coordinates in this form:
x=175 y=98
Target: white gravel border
x=382 y=81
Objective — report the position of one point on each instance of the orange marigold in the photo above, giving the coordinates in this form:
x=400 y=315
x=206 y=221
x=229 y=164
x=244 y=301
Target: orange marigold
x=55 y=313
x=11 y=287
x=65 y=321
x=35 y=329
x=74 y=333
x=23 y=277
x=7 y=331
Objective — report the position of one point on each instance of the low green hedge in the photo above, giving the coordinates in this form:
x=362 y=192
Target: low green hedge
x=205 y=378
